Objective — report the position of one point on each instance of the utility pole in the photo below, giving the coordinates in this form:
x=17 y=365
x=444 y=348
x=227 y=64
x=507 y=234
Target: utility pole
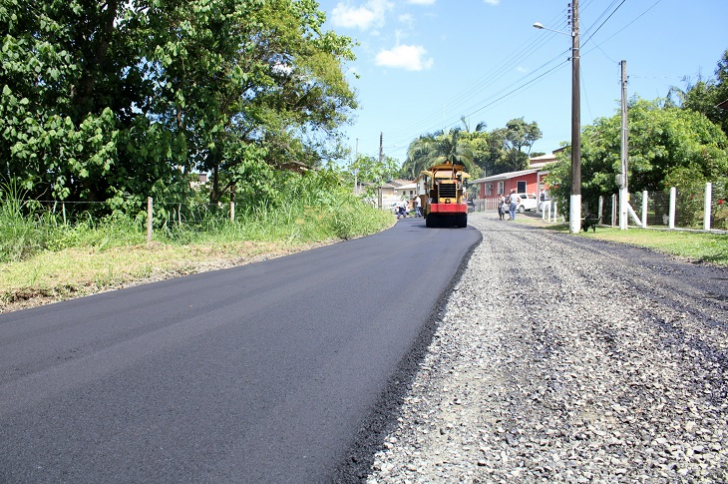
x=575 y=199
x=356 y=172
x=623 y=186
x=381 y=160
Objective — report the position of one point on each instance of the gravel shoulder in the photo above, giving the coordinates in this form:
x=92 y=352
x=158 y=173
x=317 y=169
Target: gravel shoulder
x=562 y=359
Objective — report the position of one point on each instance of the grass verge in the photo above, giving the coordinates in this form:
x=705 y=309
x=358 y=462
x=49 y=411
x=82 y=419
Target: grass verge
x=94 y=259
x=74 y=272
x=700 y=247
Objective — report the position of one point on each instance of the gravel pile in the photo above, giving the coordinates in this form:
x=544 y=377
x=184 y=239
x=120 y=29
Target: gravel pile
x=561 y=359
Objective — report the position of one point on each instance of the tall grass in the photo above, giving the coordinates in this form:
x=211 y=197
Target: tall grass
x=311 y=208
x=23 y=232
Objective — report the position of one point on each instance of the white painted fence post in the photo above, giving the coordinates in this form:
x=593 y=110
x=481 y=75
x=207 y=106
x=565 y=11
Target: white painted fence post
x=232 y=211
x=645 y=199
x=600 y=210
x=614 y=210
x=149 y=220
x=673 y=198
x=708 y=205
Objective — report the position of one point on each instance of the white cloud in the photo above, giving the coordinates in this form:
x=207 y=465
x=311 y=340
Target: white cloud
x=407 y=19
x=492 y=2
x=422 y=2
x=408 y=57
x=369 y=14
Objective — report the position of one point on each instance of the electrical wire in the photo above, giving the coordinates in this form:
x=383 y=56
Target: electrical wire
x=519 y=55
x=522 y=53
x=586 y=41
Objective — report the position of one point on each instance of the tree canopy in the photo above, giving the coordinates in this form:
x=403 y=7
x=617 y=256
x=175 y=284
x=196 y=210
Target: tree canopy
x=114 y=99
x=705 y=95
x=480 y=151
x=668 y=146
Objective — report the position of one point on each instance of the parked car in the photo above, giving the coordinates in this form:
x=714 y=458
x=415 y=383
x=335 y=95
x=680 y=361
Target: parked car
x=528 y=202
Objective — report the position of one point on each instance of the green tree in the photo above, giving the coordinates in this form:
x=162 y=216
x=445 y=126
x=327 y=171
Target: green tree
x=705 y=95
x=119 y=100
x=54 y=140
x=504 y=149
x=438 y=148
x=668 y=147
x=419 y=155
x=264 y=74
x=521 y=136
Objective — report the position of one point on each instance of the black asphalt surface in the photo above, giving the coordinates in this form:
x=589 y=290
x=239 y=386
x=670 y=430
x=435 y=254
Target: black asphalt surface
x=262 y=373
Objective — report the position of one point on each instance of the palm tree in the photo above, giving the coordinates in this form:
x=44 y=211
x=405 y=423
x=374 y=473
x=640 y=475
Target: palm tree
x=479 y=128
x=451 y=148
x=439 y=147
x=419 y=154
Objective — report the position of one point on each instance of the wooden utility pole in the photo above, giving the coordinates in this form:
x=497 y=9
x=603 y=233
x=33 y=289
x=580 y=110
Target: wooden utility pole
x=575 y=199
x=356 y=171
x=623 y=186
x=381 y=160
x=150 y=216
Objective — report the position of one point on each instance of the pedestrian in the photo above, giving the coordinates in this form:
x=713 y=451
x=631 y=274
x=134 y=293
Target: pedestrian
x=513 y=200
x=418 y=207
x=501 y=207
x=405 y=205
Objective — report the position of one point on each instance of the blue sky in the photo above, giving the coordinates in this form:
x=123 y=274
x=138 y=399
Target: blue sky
x=423 y=64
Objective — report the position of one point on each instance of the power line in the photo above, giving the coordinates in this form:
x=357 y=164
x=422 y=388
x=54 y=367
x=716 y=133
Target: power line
x=520 y=54
x=527 y=49
x=633 y=21
x=602 y=24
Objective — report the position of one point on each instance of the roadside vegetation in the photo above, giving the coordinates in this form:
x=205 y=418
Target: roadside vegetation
x=43 y=257
x=692 y=246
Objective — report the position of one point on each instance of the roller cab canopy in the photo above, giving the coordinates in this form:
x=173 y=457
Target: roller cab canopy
x=446 y=170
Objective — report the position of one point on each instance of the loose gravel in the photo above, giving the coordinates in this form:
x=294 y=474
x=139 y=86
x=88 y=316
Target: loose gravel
x=564 y=359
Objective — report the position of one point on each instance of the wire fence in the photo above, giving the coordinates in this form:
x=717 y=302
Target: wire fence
x=703 y=208
x=164 y=213
x=678 y=209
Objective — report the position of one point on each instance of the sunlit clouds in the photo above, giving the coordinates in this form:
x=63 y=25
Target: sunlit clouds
x=370 y=14
x=408 y=57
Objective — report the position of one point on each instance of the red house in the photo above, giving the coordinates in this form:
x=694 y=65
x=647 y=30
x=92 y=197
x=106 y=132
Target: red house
x=524 y=181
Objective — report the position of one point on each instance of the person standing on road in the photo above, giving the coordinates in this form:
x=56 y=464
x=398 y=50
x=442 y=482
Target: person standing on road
x=501 y=206
x=418 y=207
x=513 y=204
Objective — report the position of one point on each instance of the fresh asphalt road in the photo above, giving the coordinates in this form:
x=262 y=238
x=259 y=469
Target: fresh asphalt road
x=262 y=373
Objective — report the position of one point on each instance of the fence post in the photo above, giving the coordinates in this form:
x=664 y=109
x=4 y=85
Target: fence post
x=673 y=198
x=600 y=209
x=149 y=220
x=707 y=212
x=232 y=211
x=644 y=208
x=614 y=209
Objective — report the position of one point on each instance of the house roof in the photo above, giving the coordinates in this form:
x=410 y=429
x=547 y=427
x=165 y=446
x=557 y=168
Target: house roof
x=506 y=176
x=543 y=160
x=399 y=182
x=723 y=105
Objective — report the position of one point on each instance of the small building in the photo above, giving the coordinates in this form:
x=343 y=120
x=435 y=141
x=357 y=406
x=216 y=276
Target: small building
x=523 y=181
x=394 y=190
